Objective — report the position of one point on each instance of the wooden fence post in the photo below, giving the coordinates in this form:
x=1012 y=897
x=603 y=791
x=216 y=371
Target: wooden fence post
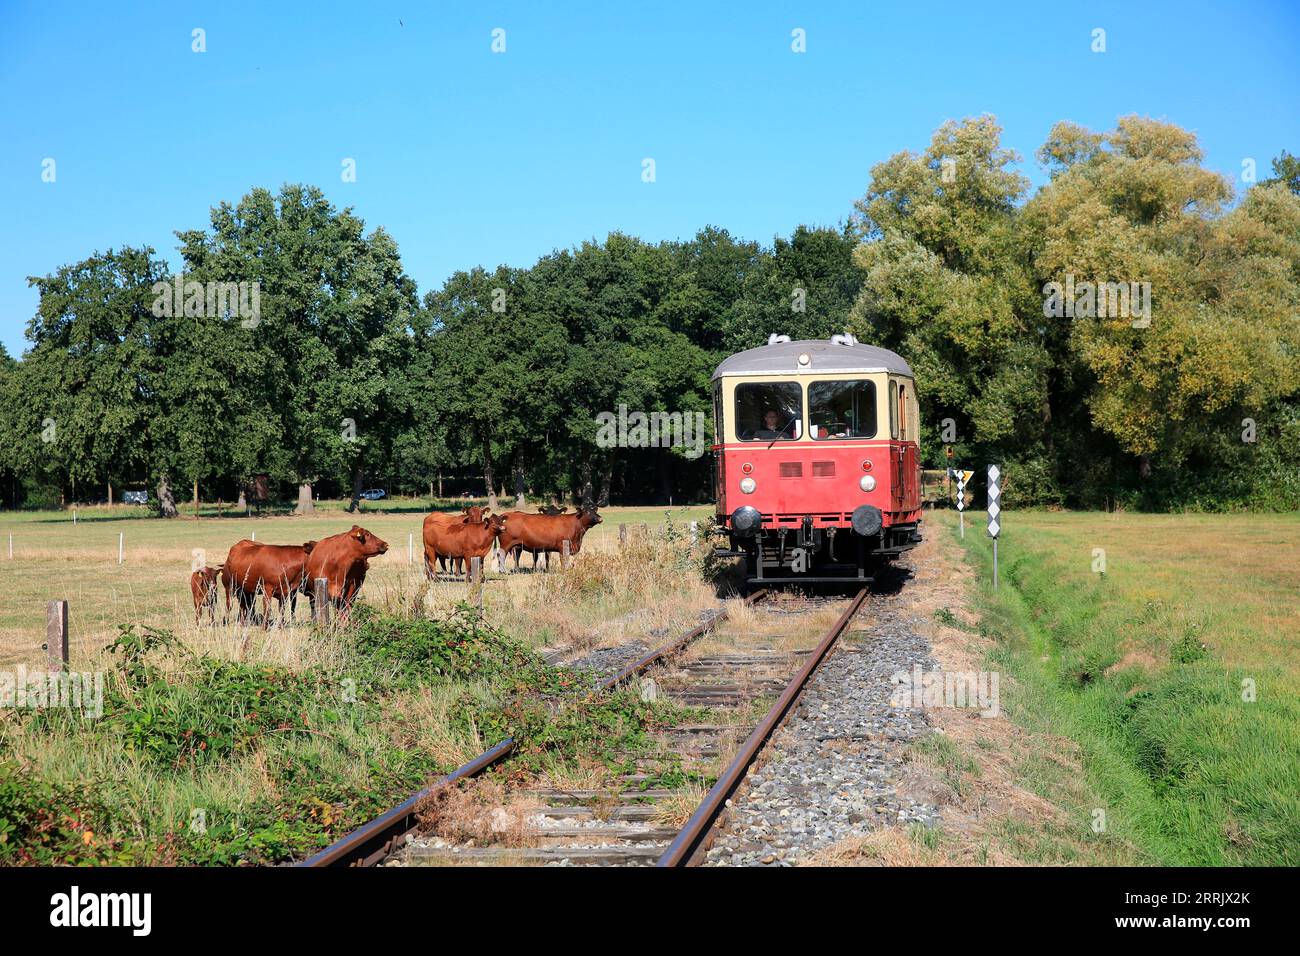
x=695 y=533
x=476 y=581
x=622 y=536
x=321 y=608
x=121 y=544
x=56 y=635
x=565 y=559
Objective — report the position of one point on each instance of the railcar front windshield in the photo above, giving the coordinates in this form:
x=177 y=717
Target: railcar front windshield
x=844 y=409
x=769 y=411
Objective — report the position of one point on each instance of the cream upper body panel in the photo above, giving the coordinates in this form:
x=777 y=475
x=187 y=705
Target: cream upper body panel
x=908 y=418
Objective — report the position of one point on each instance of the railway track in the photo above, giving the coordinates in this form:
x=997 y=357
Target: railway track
x=632 y=823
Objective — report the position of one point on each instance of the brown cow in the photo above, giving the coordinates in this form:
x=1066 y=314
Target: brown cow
x=275 y=570
x=444 y=519
x=546 y=534
x=343 y=560
x=460 y=541
x=203 y=585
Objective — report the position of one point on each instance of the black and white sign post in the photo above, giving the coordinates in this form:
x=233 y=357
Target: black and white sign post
x=995 y=509
x=962 y=477
x=961 y=500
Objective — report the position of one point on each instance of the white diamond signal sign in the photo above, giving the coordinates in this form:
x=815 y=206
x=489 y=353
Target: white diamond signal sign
x=995 y=493
x=995 y=509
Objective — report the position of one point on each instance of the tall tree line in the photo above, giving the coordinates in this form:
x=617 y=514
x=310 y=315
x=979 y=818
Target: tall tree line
x=328 y=370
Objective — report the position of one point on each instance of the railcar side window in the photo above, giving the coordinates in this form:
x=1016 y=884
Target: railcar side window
x=718 y=431
x=842 y=410
x=769 y=411
x=893 y=409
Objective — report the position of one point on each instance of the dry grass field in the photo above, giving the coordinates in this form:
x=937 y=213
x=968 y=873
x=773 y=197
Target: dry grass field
x=55 y=559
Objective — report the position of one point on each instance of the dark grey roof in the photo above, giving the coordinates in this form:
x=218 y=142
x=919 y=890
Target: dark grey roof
x=824 y=356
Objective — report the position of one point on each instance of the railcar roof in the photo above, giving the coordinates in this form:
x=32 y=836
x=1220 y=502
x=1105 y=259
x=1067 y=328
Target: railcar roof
x=825 y=356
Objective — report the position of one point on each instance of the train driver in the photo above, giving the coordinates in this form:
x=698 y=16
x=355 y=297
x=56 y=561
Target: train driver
x=772 y=428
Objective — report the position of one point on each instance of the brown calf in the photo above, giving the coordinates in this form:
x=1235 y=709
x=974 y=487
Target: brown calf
x=445 y=520
x=203 y=586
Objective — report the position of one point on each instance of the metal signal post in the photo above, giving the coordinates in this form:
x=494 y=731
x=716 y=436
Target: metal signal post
x=995 y=509
x=963 y=476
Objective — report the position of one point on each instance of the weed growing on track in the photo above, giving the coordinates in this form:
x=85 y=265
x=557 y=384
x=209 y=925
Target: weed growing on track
x=204 y=760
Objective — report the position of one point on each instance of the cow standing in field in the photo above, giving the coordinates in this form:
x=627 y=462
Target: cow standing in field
x=203 y=586
x=343 y=560
x=546 y=534
x=460 y=540
x=445 y=520
x=275 y=570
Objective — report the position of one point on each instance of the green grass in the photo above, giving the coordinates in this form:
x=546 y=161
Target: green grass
x=275 y=763
x=1148 y=669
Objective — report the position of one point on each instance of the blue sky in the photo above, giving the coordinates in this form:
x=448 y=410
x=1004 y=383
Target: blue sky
x=469 y=157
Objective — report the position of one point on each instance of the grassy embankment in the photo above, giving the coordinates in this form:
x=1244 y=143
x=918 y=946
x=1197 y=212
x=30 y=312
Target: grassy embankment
x=1176 y=672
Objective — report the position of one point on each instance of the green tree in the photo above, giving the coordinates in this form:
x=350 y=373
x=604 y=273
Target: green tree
x=947 y=286
x=804 y=287
x=9 y=402
x=1286 y=171
x=88 y=396
x=333 y=303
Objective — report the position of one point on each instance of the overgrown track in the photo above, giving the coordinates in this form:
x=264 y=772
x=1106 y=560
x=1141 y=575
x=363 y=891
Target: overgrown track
x=694 y=838
x=373 y=842
x=633 y=824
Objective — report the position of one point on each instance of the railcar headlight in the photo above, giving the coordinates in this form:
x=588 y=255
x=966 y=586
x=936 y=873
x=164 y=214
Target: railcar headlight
x=747 y=485
x=867 y=483
x=746 y=521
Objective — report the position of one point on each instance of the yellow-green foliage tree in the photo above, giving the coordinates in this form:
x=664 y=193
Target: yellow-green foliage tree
x=1134 y=205
x=947 y=285
x=1112 y=336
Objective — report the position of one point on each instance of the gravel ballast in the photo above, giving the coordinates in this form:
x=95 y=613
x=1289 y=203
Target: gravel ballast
x=833 y=770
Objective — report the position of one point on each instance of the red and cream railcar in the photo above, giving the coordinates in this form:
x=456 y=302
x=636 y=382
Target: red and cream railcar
x=817 y=460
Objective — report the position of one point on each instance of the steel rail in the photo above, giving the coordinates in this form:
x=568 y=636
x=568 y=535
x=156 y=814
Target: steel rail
x=371 y=842
x=698 y=832
x=672 y=647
